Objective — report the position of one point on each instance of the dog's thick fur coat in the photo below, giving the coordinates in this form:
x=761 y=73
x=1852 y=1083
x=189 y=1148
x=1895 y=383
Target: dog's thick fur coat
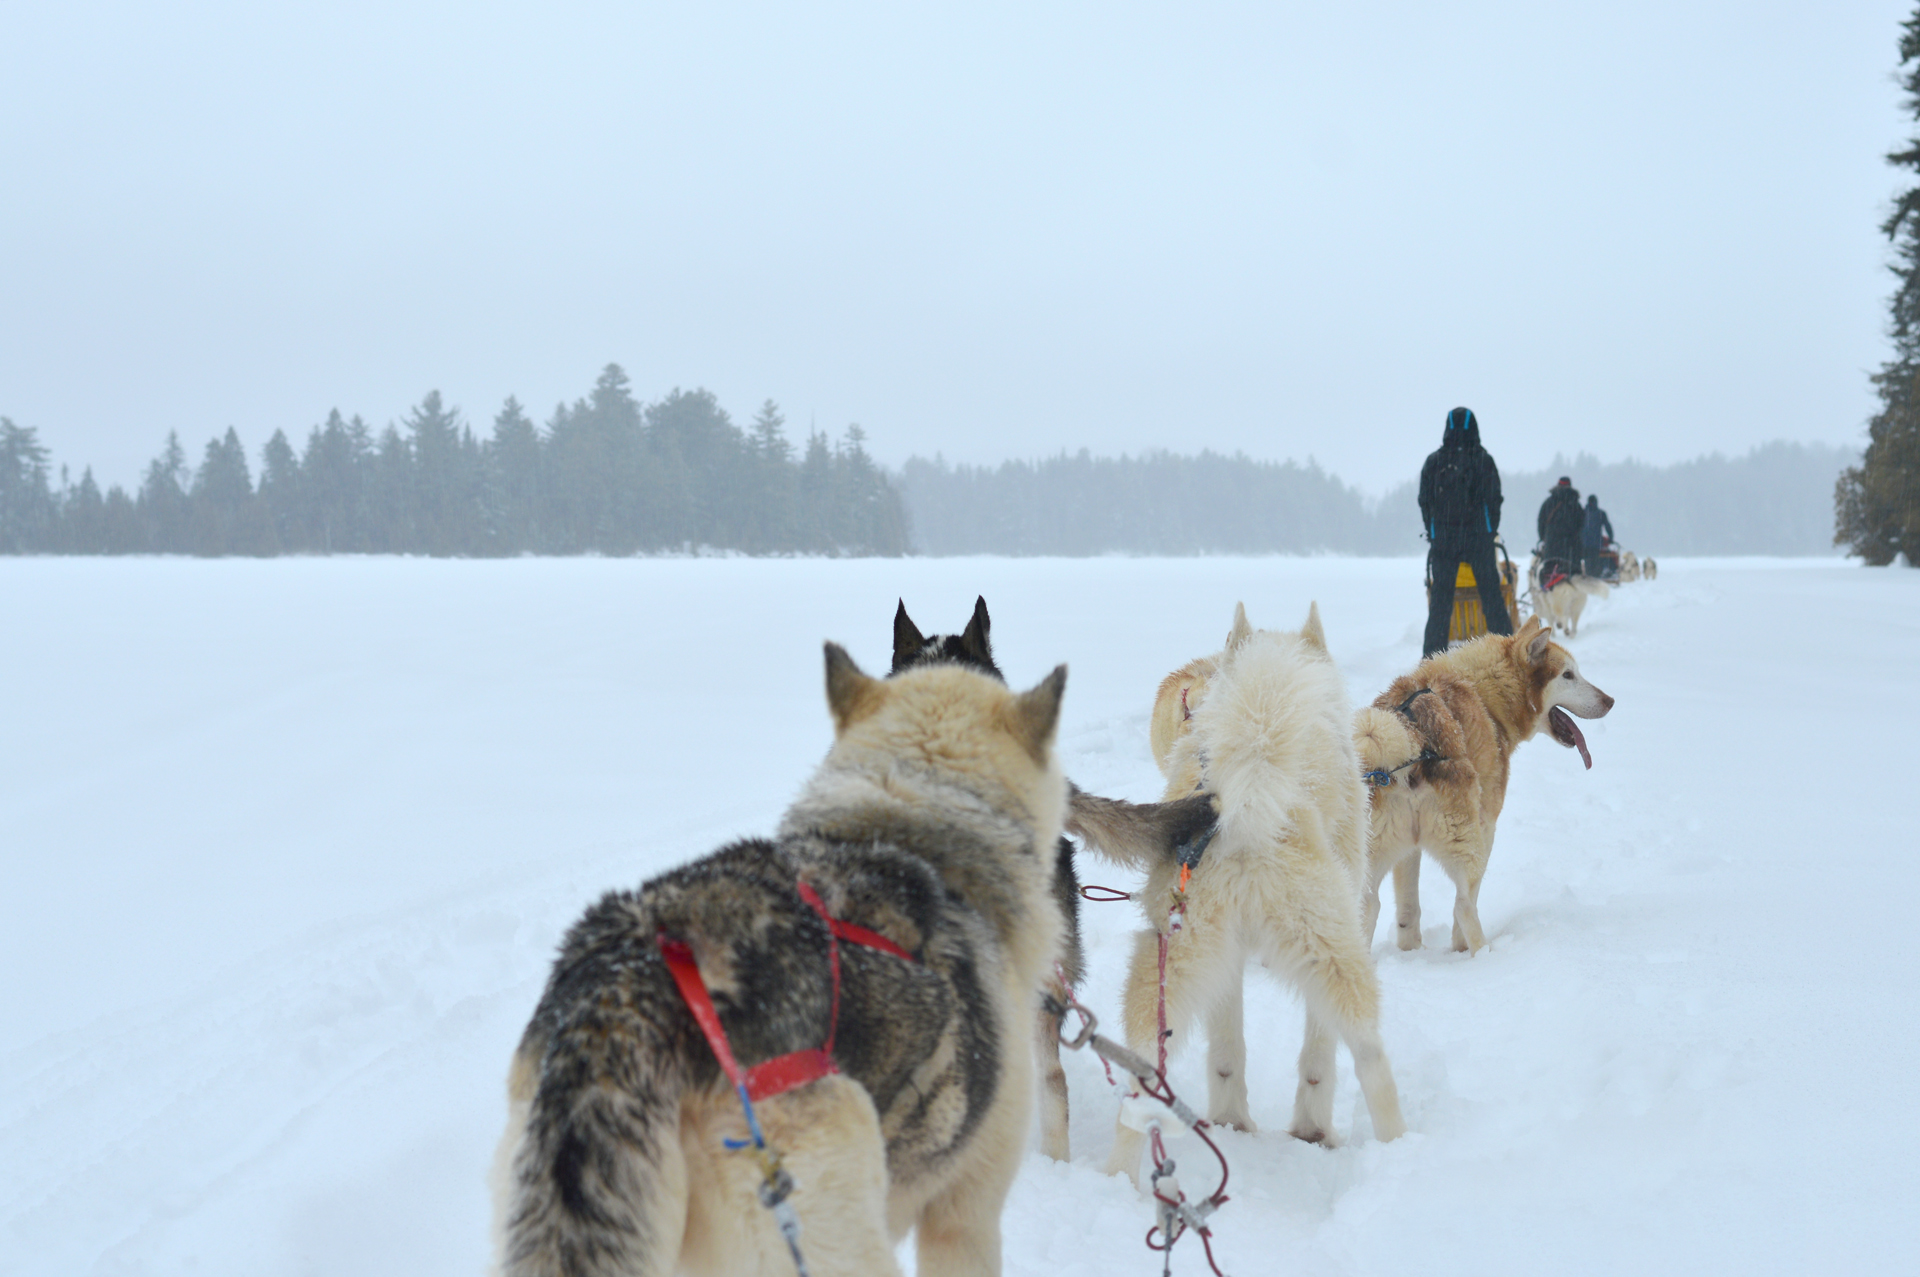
x=1467 y=708
x=1126 y=832
x=932 y=821
x=1264 y=727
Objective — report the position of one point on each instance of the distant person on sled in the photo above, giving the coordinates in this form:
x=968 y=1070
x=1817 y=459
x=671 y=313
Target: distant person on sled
x=1561 y=524
x=1596 y=534
x=1460 y=504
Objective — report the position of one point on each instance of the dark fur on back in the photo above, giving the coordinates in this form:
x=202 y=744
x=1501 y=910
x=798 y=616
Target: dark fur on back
x=616 y=1047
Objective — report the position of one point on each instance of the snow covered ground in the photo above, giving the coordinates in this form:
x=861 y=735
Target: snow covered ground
x=288 y=846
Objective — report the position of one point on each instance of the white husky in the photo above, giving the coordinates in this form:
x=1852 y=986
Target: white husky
x=1265 y=726
x=1561 y=603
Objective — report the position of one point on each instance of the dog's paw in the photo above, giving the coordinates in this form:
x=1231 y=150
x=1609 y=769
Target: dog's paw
x=1312 y=1135
x=1235 y=1122
x=1407 y=937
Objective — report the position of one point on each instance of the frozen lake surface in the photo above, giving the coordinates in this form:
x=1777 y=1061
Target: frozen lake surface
x=289 y=846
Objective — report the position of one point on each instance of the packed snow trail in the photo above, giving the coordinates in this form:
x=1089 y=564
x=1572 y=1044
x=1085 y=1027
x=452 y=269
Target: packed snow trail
x=290 y=845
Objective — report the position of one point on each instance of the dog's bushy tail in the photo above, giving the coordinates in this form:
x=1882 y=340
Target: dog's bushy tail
x=597 y=1184
x=1138 y=835
x=1383 y=738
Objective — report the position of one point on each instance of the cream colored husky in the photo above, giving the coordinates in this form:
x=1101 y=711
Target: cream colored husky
x=1264 y=726
x=1444 y=737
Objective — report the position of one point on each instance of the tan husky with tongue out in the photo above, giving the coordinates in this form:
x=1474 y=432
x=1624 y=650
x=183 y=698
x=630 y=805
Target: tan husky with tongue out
x=1436 y=747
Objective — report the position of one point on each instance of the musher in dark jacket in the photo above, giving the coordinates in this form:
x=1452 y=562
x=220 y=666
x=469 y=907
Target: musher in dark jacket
x=1596 y=533
x=1561 y=523
x=1460 y=504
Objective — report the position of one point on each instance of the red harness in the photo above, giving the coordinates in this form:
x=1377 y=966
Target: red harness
x=796 y=1068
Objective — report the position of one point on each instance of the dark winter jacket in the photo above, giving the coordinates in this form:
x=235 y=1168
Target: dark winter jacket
x=1460 y=485
x=1598 y=529
x=1561 y=522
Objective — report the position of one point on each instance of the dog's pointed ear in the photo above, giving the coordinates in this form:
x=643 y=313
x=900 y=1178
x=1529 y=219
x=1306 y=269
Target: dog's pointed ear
x=907 y=638
x=1312 y=631
x=851 y=695
x=975 y=637
x=1036 y=714
x=1533 y=638
x=1241 y=630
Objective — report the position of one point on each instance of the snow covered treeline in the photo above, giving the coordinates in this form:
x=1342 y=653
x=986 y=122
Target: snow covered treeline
x=1156 y=503
x=607 y=474
x=610 y=475
x=1776 y=499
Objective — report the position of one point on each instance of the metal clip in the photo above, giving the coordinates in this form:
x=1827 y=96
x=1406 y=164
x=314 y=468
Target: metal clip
x=1087 y=1026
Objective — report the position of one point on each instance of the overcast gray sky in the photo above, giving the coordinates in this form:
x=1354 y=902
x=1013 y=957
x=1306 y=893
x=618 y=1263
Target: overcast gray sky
x=1644 y=228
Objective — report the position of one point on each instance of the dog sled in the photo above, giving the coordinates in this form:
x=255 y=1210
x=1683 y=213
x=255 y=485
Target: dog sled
x=1469 y=618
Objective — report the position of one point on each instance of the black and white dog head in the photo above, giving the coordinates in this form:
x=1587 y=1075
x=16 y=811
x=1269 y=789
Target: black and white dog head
x=971 y=647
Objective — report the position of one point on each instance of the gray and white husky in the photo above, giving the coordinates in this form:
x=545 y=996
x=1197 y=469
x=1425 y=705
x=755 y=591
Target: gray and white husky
x=932 y=822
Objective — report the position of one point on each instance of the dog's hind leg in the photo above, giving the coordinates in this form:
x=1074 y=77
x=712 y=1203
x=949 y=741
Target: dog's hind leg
x=1313 y=1100
x=1196 y=975
x=828 y=1136
x=1227 y=1061
x=1468 y=936
x=1406 y=901
x=1053 y=1087
x=1466 y=866
x=958 y=1232
x=1335 y=973
x=1046 y=1043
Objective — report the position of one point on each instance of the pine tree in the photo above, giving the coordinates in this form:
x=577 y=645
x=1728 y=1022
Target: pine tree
x=83 y=517
x=695 y=442
x=225 y=517
x=1877 y=503
x=390 y=523
x=26 y=504
x=280 y=491
x=607 y=492
x=162 y=500
x=514 y=490
x=814 y=524
x=333 y=507
x=446 y=479
x=773 y=485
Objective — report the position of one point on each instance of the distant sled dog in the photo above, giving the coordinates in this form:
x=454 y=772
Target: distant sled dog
x=1439 y=743
x=1265 y=727
x=1127 y=832
x=932 y=822
x=1559 y=598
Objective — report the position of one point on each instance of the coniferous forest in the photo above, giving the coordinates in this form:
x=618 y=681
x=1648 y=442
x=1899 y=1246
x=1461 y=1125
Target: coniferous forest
x=1775 y=499
x=611 y=475
x=607 y=474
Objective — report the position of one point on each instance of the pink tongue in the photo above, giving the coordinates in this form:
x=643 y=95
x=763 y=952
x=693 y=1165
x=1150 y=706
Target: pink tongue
x=1579 y=741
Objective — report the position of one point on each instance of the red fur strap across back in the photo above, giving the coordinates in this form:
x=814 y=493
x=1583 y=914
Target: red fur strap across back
x=796 y=1068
